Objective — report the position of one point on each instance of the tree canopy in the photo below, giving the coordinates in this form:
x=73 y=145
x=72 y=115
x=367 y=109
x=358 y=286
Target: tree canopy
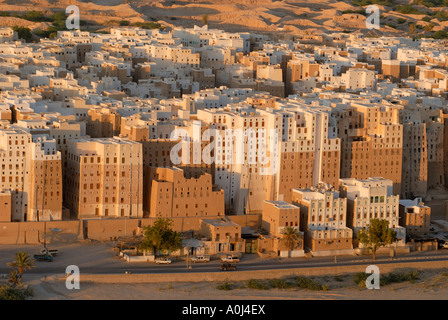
x=290 y=237
x=160 y=237
x=21 y=263
x=23 y=33
x=376 y=235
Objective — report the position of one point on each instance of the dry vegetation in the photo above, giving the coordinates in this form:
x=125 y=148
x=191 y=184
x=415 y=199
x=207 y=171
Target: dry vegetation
x=402 y=284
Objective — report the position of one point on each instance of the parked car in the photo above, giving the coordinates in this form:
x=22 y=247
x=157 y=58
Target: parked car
x=163 y=260
x=43 y=257
x=230 y=259
x=53 y=252
x=445 y=245
x=200 y=259
x=228 y=267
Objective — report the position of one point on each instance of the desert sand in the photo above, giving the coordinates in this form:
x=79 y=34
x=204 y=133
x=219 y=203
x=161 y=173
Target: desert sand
x=432 y=285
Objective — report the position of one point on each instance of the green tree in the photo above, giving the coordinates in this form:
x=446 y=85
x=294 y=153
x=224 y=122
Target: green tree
x=429 y=27
x=205 y=19
x=21 y=263
x=148 y=25
x=290 y=237
x=412 y=28
x=58 y=16
x=441 y=34
x=377 y=234
x=160 y=236
x=23 y=33
x=35 y=16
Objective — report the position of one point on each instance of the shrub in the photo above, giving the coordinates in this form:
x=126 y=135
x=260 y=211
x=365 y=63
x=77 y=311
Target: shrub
x=306 y=283
x=411 y=276
x=279 y=284
x=435 y=3
x=51 y=32
x=363 y=3
x=400 y=277
x=60 y=15
x=360 y=279
x=225 y=286
x=148 y=25
x=29 y=291
x=338 y=278
x=441 y=16
x=15 y=293
x=124 y=23
x=362 y=11
x=256 y=284
x=429 y=27
x=35 y=16
x=408 y=9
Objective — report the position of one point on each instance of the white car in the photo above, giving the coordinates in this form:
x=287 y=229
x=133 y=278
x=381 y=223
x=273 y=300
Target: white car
x=163 y=260
x=445 y=245
x=200 y=259
x=230 y=259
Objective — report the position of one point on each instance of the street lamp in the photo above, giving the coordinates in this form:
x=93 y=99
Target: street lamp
x=189 y=246
x=188 y=254
x=336 y=253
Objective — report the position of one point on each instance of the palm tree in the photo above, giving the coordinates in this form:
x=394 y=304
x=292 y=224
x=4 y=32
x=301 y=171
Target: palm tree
x=290 y=237
x=22 y=262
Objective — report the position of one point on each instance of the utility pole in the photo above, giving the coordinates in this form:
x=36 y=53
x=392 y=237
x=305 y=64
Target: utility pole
x=37 y=210
x=43 y=203
x=130 y=192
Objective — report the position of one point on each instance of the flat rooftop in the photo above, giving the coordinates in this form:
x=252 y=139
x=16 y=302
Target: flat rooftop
x=220 y=222
x=282 y=204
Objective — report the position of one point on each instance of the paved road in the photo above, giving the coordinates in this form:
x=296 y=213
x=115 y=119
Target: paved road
x=101 y=259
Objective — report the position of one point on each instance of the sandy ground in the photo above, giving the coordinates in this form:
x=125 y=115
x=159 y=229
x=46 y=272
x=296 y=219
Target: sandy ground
x=432 y=285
